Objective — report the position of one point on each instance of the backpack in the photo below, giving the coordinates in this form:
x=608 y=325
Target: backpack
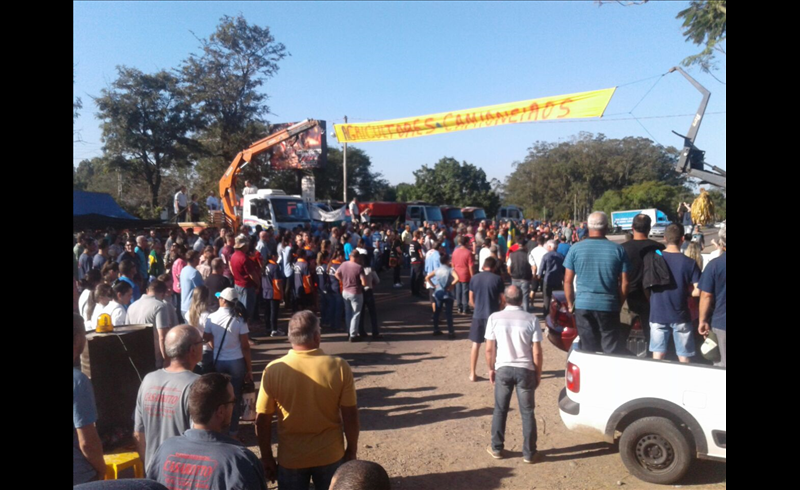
x=655 y=271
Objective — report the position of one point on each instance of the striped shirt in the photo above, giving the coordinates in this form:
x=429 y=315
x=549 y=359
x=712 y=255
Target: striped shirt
x=597 y=263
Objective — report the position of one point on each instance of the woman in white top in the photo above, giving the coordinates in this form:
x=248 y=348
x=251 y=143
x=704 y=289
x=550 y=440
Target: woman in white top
x=122 y=292
x=196 y=317
x=102 y=296
x=227 y=332
x=86 y=302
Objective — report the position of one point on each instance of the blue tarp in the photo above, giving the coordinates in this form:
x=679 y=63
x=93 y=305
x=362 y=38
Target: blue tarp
x=98 y=203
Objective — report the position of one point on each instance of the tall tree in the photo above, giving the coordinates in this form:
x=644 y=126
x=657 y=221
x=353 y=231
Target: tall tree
x=557 y=177
x=77 y=104
x=705 y=24
x=224 y=82
x=146 y=126
x=452 y=183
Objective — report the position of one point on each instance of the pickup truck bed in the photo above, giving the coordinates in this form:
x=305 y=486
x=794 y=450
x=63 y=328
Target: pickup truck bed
x=657 y=403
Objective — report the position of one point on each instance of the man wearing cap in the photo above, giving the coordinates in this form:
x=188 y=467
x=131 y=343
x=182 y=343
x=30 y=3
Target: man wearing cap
x=245 y=277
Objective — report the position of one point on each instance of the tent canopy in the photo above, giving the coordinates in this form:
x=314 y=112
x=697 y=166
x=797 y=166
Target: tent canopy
x=100 y=210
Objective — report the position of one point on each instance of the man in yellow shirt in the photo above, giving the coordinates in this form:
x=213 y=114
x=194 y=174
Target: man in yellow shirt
x=314 y=397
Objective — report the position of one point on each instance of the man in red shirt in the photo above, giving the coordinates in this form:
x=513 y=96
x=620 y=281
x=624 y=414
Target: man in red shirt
x=462 y=262
x=245 y=278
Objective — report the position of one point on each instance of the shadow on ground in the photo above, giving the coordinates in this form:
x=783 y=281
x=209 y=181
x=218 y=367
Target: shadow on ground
x=483 y=479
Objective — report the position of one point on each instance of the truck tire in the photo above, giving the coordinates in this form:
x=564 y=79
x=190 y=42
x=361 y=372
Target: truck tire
x=655 y=450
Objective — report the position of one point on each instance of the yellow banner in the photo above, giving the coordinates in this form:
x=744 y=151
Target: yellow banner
x=571 y=106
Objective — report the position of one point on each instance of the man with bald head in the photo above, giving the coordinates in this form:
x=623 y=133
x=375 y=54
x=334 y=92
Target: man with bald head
x=514 y=358
x=162 y=406
x=601 y=267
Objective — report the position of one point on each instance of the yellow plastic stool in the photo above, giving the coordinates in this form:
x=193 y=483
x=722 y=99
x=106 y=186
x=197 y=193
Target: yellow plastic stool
x=122 y=461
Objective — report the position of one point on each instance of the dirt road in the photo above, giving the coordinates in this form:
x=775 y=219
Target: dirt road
x=429 y=426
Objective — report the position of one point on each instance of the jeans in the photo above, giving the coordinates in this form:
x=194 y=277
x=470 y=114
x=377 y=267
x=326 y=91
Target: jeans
x=682 y=334
x=525 y=381
x=369 y=304
x=299 y=479
x=352 y=311
x=599 y=331
x=547 y=294
x=247 y=296
x=525 y=287
x=272 y=307
x=337 y=308
x=325 y=307
x=236 y=369
x=443 y=303
x=417 y=278
x=462 y=295
x=722 y=342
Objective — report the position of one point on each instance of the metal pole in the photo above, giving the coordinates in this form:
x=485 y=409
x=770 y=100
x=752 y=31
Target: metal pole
x=344 y=164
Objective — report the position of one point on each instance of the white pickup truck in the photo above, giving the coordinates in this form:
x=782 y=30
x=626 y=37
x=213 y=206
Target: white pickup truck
x=664 y=413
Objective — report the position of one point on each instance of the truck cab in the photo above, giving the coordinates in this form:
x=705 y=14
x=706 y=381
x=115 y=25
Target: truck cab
x=473 y=214
x=451 y=214
x=510 y=213
x=272 y=207
x=419 y=212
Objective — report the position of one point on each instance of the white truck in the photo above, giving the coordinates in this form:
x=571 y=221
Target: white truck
x=272 y=207
x=623 y=220
x=664 y=413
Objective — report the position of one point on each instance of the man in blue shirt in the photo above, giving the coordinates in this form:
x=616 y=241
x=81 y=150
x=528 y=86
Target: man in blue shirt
x=714 y=297
x=204 y=457
x=190 y=279
x=87 y=450
x=602 y=270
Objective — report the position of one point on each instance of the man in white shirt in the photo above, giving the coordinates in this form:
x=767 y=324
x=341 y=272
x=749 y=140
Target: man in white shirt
x=535 y=260
x=180 y=203
x=514 y=357
x=249 y=188
x=353 y=208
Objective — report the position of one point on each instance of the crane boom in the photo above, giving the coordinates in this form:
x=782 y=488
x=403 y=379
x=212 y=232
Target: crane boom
x=227 y=184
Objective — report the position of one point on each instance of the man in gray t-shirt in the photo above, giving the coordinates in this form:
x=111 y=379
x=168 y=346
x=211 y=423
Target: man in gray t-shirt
x=150 y=309
x=162 y=406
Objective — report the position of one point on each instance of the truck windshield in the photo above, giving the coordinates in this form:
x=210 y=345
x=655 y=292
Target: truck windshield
x=287 y=210
x=454 y=213
x=479 y=214
x=433 y=213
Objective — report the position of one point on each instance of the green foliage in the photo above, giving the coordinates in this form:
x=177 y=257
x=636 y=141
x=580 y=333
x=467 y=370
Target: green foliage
x=705 y=24
x=451 y=183
x=720 y=204
x=97 y=175
x=650 y=194
x=146 y=126
x=224 y=83
x=559 y=176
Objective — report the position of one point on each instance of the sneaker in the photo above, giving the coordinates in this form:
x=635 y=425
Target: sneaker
x=277 y=333
x=494 y=453
x=460 y=311
x=377 y=336
x=536 y=458
x=355 y=338
x=437 y=333
x=451 y=336
x=398 y=285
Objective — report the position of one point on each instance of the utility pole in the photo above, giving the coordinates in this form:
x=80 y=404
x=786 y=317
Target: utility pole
x=344 y=164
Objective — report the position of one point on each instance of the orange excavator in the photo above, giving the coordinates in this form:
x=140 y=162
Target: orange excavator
x=227 y=184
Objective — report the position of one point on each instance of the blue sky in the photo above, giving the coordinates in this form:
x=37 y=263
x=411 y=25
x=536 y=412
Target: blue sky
x=384 y=60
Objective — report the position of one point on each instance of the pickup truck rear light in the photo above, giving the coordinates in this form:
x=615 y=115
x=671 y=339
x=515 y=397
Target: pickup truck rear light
x=573 y=378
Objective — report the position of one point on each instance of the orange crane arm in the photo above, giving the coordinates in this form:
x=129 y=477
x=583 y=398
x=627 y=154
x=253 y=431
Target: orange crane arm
x=227 y=184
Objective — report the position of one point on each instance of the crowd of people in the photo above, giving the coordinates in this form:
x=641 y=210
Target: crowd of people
x=208 y=293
